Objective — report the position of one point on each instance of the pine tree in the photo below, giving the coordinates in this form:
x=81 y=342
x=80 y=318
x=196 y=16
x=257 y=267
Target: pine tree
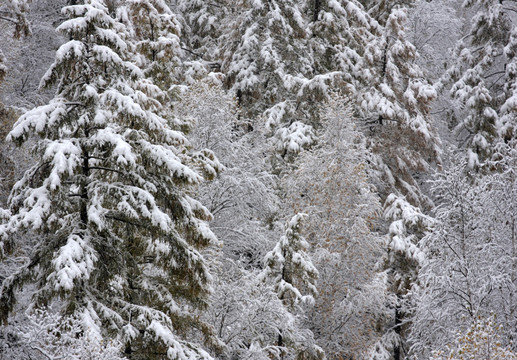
x=110 y=196
x=290 y=267
x=272 y=79
x=154 y=30
x=340 y=31
x=205 y=23
x=404 y=259
x=290 y=270
x=506 y=126
x=483 y=79
x=260 y=68
x=396 y=106
x=381 y=9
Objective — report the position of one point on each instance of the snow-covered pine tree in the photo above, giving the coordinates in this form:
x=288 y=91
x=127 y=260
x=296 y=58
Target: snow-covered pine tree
x=206 y=22
x=289 y=268
x=403 y=261
x=270 y=78
x=120 y=235
x=483 y=78
x=506 y=127
x=259 y=66
x=395 y=104
x=380 y=10
x=154 y=31
x=340 y=32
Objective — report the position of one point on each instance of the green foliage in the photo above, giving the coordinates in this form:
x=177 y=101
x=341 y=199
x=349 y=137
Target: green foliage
x=120 y=234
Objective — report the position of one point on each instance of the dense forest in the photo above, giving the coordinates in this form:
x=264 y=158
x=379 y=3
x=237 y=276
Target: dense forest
x=258 y=179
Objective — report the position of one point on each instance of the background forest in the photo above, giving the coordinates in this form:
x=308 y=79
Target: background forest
x=258 y=179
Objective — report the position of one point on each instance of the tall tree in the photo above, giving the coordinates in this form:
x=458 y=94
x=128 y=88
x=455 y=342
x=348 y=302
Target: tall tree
x=381 y=9
x=402 y=264
x=206 y=23
x=260 y=68
x=340 y=33
x=331 y=184
x=272 y=79
x=470 y=271
x=110 y=196
x=483 y=78
x=288 y=267
x=154 y=30
x=396 y=104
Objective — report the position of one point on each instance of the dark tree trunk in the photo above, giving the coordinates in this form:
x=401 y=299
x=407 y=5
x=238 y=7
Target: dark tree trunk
x=317 y=8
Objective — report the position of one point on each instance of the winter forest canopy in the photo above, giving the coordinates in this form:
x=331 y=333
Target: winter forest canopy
x=258 y=179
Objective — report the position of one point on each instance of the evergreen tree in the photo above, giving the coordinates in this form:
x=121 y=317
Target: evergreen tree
x=154 y=31
x=395 y=104
x=506 y=127
x=290 y=267
x=272 y=79
x=483 y=79
x=340 y=33
x=290 y=270
x=110 y=196
x=378 y=67
x=205 y=23
x=260 y=68
x=381 y=9
x=402 y=264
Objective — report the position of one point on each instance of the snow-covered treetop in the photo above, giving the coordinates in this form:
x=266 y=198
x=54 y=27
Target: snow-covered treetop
x=407 y=223
x=289 y=266
x=112 y=185
x=340 y=33
x=483 y=78
x=154 y=31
